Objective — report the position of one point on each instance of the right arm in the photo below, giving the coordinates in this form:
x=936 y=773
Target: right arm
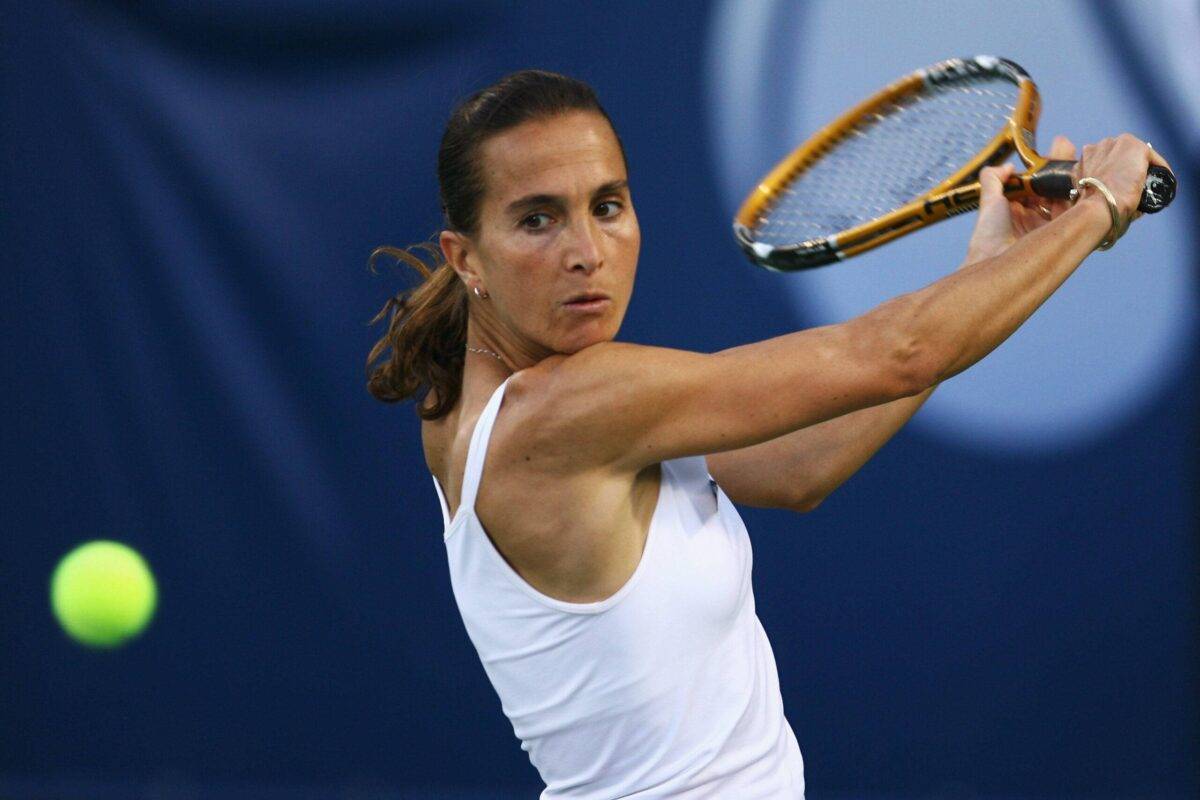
x=625 y=406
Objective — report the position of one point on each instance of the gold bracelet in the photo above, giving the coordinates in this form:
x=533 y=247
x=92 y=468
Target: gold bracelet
x=1116 y=231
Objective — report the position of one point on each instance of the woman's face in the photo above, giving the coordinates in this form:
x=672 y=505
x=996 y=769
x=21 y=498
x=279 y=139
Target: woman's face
x=556 y=221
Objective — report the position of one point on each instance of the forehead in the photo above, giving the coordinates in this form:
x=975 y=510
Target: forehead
x=551 y=156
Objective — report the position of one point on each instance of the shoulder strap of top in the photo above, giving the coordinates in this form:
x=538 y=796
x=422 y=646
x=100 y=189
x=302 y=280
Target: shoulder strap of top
x=442 y=502
x=477 y=449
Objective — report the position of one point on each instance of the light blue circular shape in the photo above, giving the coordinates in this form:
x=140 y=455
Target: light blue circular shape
x=1103 y=347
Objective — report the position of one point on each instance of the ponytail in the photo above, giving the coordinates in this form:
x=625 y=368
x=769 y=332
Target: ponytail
x=425 y=337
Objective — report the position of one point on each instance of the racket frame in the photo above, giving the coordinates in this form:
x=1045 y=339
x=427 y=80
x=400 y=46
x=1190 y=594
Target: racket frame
x=956 y=194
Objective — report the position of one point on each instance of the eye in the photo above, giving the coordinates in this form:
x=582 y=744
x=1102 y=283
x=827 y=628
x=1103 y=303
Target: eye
x=536 y=222
x=609 y=208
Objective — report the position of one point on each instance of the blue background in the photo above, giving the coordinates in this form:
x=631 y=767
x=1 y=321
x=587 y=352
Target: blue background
x=190 y=193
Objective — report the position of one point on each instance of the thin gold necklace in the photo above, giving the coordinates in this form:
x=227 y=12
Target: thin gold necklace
x=486 y=352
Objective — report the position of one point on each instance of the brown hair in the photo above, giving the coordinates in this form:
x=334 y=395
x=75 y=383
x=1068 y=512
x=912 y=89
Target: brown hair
x=424 y=344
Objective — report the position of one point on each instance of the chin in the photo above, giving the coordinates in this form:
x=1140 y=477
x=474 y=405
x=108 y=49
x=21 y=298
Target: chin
x=576 y=343
x=579 y=334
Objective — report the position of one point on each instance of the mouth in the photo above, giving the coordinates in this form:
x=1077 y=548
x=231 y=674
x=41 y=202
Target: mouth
x=588 y=301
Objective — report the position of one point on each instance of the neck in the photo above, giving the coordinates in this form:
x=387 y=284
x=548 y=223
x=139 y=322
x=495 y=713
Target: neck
x=515 y=355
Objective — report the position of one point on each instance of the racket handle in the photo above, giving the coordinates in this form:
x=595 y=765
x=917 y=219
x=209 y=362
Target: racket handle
x=1056 y=180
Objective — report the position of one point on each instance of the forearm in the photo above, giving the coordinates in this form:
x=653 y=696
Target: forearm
x=987 y=301
x=915 y=341
x=953 y=323
x=798 y=470
x=881 y=366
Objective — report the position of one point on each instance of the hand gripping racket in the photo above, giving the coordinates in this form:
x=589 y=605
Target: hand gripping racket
x=906 y=158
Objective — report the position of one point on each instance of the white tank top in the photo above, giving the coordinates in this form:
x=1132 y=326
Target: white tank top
x=666 y=689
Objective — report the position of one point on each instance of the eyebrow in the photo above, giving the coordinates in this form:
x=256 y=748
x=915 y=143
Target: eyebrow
x=531 y=200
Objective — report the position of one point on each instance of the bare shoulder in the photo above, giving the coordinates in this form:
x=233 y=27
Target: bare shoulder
x=597 y=410
x=445 y=441
x=530 y=414
x=522 y=440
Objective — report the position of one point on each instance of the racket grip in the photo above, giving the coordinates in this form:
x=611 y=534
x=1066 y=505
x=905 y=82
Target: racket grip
x=1056 y=180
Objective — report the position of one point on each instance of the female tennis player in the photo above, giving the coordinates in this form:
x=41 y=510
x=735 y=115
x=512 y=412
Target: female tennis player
x=587 y=486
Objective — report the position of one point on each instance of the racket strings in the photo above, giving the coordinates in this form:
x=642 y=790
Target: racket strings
x=889 y=158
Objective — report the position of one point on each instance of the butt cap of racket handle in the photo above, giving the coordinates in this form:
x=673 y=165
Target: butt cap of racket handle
x=1159 y=191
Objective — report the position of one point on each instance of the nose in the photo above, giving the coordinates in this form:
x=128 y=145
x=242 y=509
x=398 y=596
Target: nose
x=583 y=247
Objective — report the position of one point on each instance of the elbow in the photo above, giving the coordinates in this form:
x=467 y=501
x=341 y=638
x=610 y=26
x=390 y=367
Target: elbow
x=806 y=503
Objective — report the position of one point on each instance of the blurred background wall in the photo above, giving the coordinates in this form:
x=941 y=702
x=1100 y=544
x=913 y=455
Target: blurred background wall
x=1001 y=604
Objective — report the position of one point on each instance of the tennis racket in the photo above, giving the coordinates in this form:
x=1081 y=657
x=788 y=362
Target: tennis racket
x=903 y=159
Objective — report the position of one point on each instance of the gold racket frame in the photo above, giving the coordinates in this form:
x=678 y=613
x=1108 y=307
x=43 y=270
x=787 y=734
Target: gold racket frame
x=954 y=195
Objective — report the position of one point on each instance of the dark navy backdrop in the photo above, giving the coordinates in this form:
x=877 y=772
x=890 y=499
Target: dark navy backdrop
x=190 y=192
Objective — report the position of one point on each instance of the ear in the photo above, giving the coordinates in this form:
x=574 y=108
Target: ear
x=459 y=253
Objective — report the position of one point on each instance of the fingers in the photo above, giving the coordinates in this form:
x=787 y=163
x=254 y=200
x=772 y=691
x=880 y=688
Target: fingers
x=1157 y=158
x=1062 y=149
x=1019 y=213
x=1120 y=163
x=991 y=182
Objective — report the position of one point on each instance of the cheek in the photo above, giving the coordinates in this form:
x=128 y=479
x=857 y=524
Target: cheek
x=627 y=242
x=632 y=231
x=516 y=257
x=521 y=267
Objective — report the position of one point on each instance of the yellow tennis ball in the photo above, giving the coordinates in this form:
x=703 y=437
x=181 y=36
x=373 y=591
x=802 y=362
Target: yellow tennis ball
x=103 y=593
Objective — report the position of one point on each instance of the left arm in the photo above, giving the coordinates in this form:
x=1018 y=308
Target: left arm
x=800 y=469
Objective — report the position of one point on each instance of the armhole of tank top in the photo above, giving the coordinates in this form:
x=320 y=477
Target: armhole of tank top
x=668 y=478
x=730 y=516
